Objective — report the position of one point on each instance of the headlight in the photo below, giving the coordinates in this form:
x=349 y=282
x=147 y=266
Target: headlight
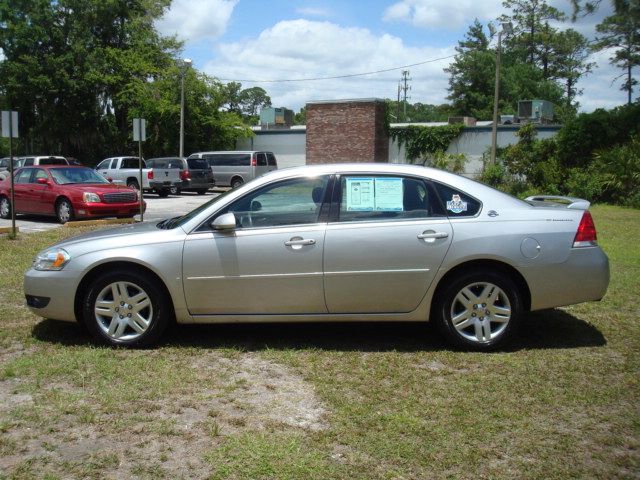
x=53 y=259
x=89 y=197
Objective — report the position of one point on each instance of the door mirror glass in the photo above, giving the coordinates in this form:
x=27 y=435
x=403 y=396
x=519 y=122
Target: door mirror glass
x=224 y=222
x=42 y=181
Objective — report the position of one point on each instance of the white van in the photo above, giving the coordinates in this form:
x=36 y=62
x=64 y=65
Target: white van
x=233 y=168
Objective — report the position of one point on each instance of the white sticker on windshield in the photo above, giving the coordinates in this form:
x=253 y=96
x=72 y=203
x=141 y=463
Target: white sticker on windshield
x=388 y=194
x=456 y=205
x=360 y=194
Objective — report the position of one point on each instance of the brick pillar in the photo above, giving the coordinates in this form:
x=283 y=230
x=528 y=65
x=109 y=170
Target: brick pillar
x=347 y=131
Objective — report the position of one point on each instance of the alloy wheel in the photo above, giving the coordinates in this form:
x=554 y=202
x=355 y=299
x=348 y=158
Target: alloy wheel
x=480 y=312
x=123 y=311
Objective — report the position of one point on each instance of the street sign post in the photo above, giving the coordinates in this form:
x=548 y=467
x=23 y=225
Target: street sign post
x=10 y=130
x=140 y=135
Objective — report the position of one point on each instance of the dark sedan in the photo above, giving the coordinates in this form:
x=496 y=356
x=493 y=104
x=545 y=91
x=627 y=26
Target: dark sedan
x=67 y=192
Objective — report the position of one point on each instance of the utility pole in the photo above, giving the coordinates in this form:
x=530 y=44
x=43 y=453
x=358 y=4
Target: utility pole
x=405 y=87
x=398 y=103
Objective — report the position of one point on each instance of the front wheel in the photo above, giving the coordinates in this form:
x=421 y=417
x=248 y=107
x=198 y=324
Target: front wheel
x=479 y=310
x=64 y=211
x=124 y=308
x=5 y=208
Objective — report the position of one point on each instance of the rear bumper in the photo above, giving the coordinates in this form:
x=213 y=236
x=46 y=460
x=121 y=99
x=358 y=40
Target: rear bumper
x=163 y=185
x=583 y=277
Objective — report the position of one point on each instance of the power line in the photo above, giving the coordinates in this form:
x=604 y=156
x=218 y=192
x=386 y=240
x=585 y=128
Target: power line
x=336 y=76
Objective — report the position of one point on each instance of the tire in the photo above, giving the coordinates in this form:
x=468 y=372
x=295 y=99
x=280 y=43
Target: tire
x=202 y=192
x=130 y=321
x=5 y=207
x=163 y=193
x=236 y=182
x=64 y=211
x=479 y=310
x=174 y=191
x=133 y=184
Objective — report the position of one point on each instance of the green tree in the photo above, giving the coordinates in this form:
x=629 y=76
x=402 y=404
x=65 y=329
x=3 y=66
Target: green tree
x=622 y=31
x=571 y=51
x=472 y=73
x=530 y=25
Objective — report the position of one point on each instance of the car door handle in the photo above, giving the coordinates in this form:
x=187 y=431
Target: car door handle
x=297 y=241
x=432 y=234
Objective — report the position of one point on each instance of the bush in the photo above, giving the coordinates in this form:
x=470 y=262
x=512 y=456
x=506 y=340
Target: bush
x=619 y=170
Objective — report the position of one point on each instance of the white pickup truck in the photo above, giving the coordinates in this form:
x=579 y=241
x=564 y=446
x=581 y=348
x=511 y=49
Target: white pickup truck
x=126 y=171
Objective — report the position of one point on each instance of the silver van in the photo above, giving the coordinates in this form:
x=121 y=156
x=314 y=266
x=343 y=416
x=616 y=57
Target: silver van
x=233 y=168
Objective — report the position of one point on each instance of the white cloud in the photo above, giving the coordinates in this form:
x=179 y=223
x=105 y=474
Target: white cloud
x=600 y=88
x=307 y=49
x=193 y=20
x=313 y=12
x=442 y=13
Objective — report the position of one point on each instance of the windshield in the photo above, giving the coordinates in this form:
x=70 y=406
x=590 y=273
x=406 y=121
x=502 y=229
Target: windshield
x=178 y=221
x=65 y=176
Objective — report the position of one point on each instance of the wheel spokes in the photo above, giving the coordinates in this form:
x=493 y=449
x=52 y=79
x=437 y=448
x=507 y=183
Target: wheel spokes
x=123 y=311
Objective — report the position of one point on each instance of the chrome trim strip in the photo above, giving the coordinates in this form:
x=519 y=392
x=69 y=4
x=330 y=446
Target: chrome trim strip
x=266 y=275
x=376 y=272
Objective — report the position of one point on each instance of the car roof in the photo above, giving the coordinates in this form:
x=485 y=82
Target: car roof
x=48 y=167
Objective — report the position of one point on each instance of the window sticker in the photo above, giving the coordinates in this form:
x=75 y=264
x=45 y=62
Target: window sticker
x=360 y=195
x=456 y=205
x=388 y=195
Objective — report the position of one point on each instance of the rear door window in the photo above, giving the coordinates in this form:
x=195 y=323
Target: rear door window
x=28 y=161
x=381 y=197
x=24 y=176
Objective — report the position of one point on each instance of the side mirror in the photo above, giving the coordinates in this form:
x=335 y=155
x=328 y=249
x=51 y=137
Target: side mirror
x=224 y=222
x=42 y=181
x=109 y=179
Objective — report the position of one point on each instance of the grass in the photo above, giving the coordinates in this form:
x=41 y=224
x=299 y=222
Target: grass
x=561 y=403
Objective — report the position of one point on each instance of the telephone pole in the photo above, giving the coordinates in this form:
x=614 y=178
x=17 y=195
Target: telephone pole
x=405 y=87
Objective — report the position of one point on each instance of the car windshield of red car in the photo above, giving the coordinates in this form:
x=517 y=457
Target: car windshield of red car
x=65 y=176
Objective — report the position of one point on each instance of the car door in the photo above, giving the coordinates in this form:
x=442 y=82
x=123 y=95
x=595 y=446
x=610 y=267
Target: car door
x=104 y=166
x=387 y=237
x=22 y=185
x=270 y=264
x=41 y=202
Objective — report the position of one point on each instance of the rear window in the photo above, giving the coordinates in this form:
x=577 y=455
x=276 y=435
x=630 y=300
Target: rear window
x=197 y=164
x=131 y=162
x=271 y=158
x=53 y=161
x=27 y=162
x=228 y=159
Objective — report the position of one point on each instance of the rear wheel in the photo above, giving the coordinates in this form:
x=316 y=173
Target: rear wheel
x=124 y=308
x=64 y=211
x=5 y=208
x=174 y=191
x=236 y=182
x=163 y=193
x=133 y=184
x=479 y=310
x=202 y=192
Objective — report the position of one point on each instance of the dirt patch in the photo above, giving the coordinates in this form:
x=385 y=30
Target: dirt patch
x=153 y=439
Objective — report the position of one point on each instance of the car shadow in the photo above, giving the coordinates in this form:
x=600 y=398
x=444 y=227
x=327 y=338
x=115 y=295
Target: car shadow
x=550 y=329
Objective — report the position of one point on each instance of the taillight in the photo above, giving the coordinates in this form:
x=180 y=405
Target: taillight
x=253 y=160
x=150 y=174
x=586 y=234
x=184 y=175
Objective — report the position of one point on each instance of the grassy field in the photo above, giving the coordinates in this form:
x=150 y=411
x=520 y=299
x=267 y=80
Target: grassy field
x=375 y=401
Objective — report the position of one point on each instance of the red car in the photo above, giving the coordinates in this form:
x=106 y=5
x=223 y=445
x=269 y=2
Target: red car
x=68 y=192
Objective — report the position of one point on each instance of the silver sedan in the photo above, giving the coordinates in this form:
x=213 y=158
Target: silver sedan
x=360 y=242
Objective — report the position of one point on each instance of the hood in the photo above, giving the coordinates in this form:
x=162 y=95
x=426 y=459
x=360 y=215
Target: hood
x=146 y=233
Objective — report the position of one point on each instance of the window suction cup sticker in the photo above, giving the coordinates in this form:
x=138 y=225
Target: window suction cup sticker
x=456 y=205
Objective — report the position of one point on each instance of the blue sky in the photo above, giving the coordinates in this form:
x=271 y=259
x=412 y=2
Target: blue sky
x=257 y=40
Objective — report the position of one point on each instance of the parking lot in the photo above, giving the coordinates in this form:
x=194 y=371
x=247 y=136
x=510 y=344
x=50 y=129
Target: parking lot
x=157 y=209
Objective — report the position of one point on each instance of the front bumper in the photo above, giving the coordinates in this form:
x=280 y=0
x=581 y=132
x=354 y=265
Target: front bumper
x=94 y=210
x=59 y=287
